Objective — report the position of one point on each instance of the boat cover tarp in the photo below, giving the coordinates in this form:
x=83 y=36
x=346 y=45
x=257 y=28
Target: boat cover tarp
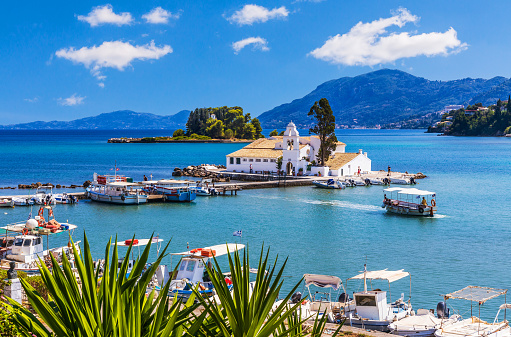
x=219 y=250
x=414 y=191
x=322 y=281
x=389 y=275
x=476 y=294
x=393 y=189
x=141 y=242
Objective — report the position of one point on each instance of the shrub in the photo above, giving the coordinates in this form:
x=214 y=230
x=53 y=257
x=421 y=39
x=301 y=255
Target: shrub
x=8 y=327
x=178 y=133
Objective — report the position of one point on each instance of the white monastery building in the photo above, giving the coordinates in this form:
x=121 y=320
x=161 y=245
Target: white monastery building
x=297 y=154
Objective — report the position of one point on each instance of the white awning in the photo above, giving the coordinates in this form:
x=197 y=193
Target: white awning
x=505 y=306
x=389 y=275
x=414 y=191
x=393 y=189
x=219 y=250
x=322 y=281
x=123 y=183
x=141 y=242
x=476 y=294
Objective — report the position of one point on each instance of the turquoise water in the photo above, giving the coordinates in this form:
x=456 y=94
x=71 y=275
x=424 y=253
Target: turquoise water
x=320 y=231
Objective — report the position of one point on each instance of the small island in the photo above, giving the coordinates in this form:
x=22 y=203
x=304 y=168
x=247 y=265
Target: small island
x=476 y=120
x=209 y=125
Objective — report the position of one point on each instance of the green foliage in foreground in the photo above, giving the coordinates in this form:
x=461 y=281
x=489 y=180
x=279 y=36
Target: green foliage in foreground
x=111 y=304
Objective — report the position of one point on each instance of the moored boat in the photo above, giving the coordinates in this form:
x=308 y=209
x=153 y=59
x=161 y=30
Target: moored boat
x=6 y=203
x=407 y=201
x=371 y=309
x=424 y=323
x=22 y=242
x=116 y=190
x=330 y=184
x=23 y=201
x=192 y=270
x=475 y=326
x=172 y=190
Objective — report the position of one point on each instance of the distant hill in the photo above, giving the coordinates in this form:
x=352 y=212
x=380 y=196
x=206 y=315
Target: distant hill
x=386 y=96
x=124 y=119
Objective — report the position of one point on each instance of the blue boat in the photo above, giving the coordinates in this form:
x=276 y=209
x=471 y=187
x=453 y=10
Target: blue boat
x=172 y=190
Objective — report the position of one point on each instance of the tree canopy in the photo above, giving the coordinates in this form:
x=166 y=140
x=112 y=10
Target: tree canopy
x=324 y=127
x=215 y=122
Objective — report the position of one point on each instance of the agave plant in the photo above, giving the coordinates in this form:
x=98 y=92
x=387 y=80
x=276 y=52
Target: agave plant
x=252 y=308
x=104 y=302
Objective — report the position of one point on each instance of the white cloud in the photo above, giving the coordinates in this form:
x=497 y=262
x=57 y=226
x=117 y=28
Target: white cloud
x=105 y=15
x=32 y=100
x=257 y=42
x=370 y=44
x=70 y=101
x=112 y=54
x=254 y=13
x=160 y=15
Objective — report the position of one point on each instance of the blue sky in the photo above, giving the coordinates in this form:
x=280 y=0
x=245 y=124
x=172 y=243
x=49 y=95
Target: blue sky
x=63 y=60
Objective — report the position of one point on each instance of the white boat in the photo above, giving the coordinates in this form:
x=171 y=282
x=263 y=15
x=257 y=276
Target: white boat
x=44 y=195
x=356 y=181
x=409 y=201
x=403 y=180
x=6 y=203
x=474 y=326
x=116 y=190
x=65 y=198
x=203 y=190
x=375 y=181
x=23 y=201
x=192 y=272
x=27 y=243
x=424 y=323
x=372 y=311
x=330 y=183
x=172 y=189
x=319 y=299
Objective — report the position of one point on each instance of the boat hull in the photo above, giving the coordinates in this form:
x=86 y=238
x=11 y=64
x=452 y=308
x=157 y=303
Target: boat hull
x=187 y=196
x=427 y=211
x=116 y=199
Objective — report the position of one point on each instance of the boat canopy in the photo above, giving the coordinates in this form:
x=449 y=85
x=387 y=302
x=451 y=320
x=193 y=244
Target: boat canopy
x=174 y=181
x=141 y=242
x=322 y=281
x=476 y=294
x=122 y=184
x=20 y=226
x=219 y=250
x=505 y=306
x=414 y=191
x=389 y=275
x=393 y=189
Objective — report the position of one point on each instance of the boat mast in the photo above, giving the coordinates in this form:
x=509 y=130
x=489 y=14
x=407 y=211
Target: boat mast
x=365 y=272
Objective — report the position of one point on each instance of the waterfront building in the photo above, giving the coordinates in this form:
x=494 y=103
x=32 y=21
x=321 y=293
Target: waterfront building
x=298 y=154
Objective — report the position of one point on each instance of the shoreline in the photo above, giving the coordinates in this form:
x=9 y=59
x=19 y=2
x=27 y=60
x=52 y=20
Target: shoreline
x=146 y=141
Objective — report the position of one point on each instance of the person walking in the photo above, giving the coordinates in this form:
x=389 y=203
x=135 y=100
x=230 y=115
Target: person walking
x=145 y=178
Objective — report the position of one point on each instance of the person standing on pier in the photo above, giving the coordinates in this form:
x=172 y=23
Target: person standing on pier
x=251 y=168
x=388 y=171
x=145 y=178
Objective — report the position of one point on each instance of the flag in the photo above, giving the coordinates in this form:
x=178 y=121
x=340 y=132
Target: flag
x=237 y=233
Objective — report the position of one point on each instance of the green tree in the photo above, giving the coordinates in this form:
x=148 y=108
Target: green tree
x=325 y=128
x=178 y=133
x=249 y=131
x=216 y=130
x=279 y=162
x=237 y=126
x=282 y=133
x=247 y=118
x=258 y=129
x=274 y=133
x=229 y=134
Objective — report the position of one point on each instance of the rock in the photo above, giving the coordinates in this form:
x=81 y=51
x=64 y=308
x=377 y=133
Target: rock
x=74 y=186
x=38 y=184
x=58 y=186
x=87 y=183
x=177 y=173
x=177 y=169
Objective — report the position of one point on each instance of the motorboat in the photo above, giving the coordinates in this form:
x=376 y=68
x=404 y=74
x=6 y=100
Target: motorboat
x=115 y=189
x=23 y=201
x=65 y=198
x=403 y=180
x=424 y=323
x=22 y=242
x=172 y=189
x=356 y=181
x=475 y=326
x=371 y=309
x=330 y=183
x=409 y=201
x=203 y=190
x=376 y=181
x=44 y=195
x=320 y=289
x=191 y=271
x=6 y=203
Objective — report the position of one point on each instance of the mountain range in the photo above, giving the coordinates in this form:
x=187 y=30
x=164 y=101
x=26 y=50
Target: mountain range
x=123 y=119
x=377 y=98
x=386 y=96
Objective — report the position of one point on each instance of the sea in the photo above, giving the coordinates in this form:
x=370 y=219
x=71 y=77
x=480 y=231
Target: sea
x=312 y=230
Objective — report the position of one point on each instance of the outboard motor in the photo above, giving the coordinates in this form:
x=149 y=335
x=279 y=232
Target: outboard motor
x=412 y=180
x=296 y=298
x=367 y=181
x=441 y=310
x=344 y=298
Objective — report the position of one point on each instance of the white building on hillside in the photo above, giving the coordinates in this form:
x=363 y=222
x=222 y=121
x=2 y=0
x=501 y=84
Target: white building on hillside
x=297 y=154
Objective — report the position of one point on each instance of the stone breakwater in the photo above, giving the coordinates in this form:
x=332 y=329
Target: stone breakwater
x=39 y=184
x=201 y=171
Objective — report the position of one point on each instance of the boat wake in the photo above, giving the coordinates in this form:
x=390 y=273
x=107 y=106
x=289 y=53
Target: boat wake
x=440 y=216
x=343 y=204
